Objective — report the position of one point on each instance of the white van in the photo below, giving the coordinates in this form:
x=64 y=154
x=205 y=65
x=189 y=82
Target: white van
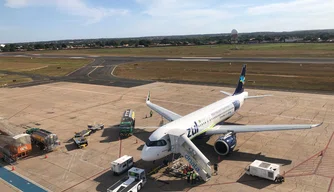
x=122 y=164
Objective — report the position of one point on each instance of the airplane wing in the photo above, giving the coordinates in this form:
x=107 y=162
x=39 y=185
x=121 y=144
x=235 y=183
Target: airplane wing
x=167 y=114
x=222 y=129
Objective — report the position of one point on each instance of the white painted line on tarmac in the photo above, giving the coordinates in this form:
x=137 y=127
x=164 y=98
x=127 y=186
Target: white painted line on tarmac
x=27 y=179
x=80 y=68
x=91 y=71
x=21 y=56
x=97 y=66
x=201 y=57
x=76 y=57
x=187 y=59
x=10 y=185
x=112 y=72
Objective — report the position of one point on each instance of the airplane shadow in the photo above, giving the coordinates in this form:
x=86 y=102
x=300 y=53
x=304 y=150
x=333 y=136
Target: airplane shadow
x=236 y=155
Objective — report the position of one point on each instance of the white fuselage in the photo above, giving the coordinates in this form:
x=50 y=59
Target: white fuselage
x=193 y=124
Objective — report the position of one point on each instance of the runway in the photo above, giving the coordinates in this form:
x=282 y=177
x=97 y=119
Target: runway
x=99 y=72
x=215 y=59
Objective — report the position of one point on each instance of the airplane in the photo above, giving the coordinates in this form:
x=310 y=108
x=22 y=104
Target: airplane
x=205 y=121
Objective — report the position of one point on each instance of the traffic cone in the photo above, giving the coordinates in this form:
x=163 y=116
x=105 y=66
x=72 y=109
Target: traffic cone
x=136 y=141
x=13 y=168
x=46 y=156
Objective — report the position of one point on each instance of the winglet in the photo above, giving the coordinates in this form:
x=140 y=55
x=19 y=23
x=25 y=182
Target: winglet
x=316 y=125
x=226 y=93
x=148 y=96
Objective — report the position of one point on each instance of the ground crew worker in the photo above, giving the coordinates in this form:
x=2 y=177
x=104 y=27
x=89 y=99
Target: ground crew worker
x=193 y=178
x=215 y=167
x=188 y=176
x=151 y=113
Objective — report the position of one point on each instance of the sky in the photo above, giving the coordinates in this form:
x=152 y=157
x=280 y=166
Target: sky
x=42 y=20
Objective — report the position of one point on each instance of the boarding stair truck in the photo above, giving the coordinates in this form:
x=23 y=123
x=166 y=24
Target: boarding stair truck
x=14 y=148
x=121 y=164
x=265 y=170
x=45 y=140
x=127 y=124
x=180 y=143
x=134 y=182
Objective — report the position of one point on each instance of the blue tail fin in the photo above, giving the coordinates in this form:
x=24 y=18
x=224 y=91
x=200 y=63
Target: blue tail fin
x=241 y=82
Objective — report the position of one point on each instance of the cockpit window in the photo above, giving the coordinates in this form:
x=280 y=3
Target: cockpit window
x=156 y=143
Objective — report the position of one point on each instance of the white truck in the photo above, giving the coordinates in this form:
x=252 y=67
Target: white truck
x=121 y=164
x=265 y=170
x=135 y=180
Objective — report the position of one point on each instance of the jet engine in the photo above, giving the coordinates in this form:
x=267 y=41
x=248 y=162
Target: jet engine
x=225 y=144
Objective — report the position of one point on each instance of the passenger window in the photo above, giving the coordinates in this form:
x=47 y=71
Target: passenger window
x=270 y=174
x=124 y=165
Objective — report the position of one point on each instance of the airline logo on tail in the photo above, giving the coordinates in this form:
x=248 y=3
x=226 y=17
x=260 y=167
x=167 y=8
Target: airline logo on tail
x=242 y=79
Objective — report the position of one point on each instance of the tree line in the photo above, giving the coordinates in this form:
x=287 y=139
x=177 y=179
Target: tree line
x=244 y=38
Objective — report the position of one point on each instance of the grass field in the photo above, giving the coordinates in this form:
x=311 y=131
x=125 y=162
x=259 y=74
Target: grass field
x=249 y=50
x=12 y=79
x=42 y=66
x=282 y=76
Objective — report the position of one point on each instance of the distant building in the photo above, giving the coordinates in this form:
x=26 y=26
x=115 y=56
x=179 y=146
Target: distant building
x=294 y=40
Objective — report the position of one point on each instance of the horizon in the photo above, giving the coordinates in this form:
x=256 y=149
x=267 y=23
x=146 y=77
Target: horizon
x=40 y=20
x=138 y=37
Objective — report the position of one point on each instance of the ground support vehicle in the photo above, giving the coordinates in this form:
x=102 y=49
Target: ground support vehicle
x=121 y=164
x=45 y=140
x=134 y=182
x=95 y=127
x=81 y=142
x=127 y=124
x=265 y=170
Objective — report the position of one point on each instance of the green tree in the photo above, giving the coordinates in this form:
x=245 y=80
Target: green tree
x=12 y=47
x=165 y=41
x=5 y=48
x=39 y=46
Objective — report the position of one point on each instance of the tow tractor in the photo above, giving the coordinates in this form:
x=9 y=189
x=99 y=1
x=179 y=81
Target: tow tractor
x=95 y=127
x=81 y=142
x=135 y=180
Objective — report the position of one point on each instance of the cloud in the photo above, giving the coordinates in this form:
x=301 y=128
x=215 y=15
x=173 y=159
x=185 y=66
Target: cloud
x=72 y=7
x=294 y=7
x=188 y=9
x=16 y=3
x=173 y=17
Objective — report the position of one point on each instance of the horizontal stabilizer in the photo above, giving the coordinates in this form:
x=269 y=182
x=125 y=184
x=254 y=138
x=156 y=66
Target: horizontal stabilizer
x=257 y=96
x=226 y=93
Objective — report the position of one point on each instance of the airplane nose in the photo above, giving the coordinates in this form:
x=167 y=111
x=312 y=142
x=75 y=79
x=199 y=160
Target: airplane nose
x=147 y=154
